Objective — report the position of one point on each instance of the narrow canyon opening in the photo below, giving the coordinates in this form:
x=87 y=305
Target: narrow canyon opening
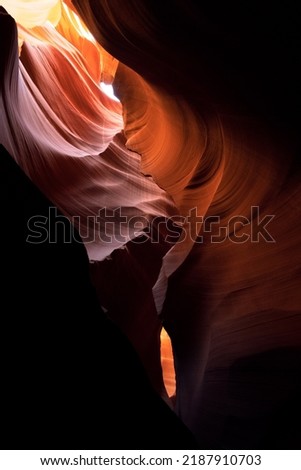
x=167 y=362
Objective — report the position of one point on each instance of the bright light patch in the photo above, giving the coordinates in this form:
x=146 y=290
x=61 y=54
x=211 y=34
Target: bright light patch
x=108 y=90
x=167 y=363
x=80 y=26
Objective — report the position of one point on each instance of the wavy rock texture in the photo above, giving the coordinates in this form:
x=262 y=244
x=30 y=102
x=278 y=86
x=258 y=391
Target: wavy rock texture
x=206 y=136
x=67 y=369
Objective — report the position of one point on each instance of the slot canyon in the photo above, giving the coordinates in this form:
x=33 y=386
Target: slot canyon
x=151 y=250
